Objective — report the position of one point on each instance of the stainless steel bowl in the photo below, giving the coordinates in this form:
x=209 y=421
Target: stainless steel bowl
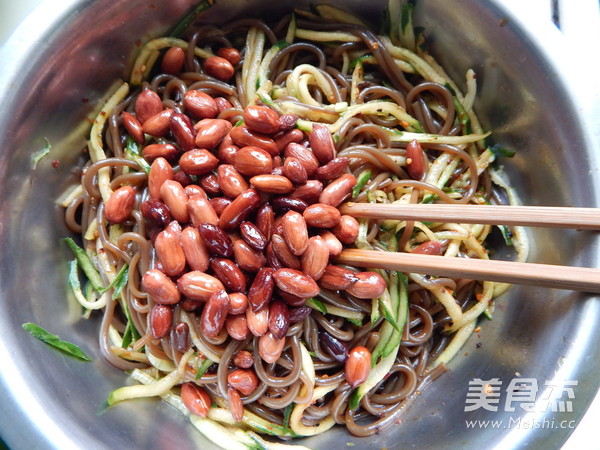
x=63 y=60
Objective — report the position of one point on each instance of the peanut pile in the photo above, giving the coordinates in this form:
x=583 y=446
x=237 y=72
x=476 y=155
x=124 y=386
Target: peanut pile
x=244 y=222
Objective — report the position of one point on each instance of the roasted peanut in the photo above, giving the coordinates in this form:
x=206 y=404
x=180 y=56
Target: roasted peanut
x=284 y=139
x=196 y=253
x=321 y=215
x=336 y=348
x=237 y=326
x=169 y=252
x=321 y=142
x=279 y=320
x=156 y=213
x=180 y=336
x=238 y=303
x=287 y=121
x=285 y=204
x=337 y=191
x=198 y=161
x=253 y=161
x=333 y=243
x=217 y=241
x=229 y=274
x=295 y=283
x=244 y=380
x=133 y=127
x=295 y=232
x=283 y=252
x=234 y=401
x=222 y=103
x=160 y=171
x=337 y=278
x=159 y=124
x=200 y=105
x=153 y=151
x=346 y=230
x=248 y=258
x=270 y=348
x=369 y=285
x=174 y=196
x=308 y=192
x=181 y=127
x=147 y=104
x=173 y=60
x=357 y=366
x=219 y=204
x=428 y=248
x=290 y=299
x=239 y=209
x=295 y=171
x=230 y=54
x=261 y=119
x=210 y=183
x=243 y=359
x=272 y=258
x=299 y=314
x=160 y=287
x=272 y=184
x=253 y=236
x=210 y=132
x=258 y=322
x=261 y=289
x=214 y=313
x=333 y=169
x=242 y=136
x=195 y=399
x=193 y=189
x=182 y=178
x=315 y=258
x=218 y=67
x=189 y=305
x=232 y=183
x=304 y=155
x=265 y=217
x=198 y=285
x=119 y=205
x=160 y=320
x=201 y=211
x=415 y=160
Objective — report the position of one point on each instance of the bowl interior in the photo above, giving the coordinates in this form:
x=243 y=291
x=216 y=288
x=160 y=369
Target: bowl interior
x=63 y=71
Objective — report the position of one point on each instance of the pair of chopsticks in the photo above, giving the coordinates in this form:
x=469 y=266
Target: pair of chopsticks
x=546 y=275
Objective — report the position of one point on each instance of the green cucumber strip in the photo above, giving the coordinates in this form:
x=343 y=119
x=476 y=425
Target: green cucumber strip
x=506 y=234
x=37 y=156
x=375 y=312
x=54 y=341
x=86 y=265
x=189 y=18
x=287 y=412
x=316 y=304
x=204 y=367
x=385 y=334
x=118 y=283
x=362 y=179
x=388 y=302
x=498 y=150
x=401 y=313
x=133 y=152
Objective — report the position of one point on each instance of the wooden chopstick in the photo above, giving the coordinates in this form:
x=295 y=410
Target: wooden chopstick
x=546 y=275
x=546 y=216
